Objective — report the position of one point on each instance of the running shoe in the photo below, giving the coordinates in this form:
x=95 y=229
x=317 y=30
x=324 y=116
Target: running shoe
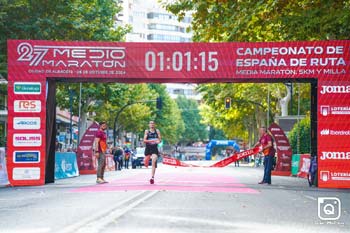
x=151 y=181
x=99 y=181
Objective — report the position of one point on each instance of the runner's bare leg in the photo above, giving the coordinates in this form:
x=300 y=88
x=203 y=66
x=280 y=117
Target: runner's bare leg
x=154 y=161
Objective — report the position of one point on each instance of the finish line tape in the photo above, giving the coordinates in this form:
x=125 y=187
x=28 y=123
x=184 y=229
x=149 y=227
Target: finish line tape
x=223 y=163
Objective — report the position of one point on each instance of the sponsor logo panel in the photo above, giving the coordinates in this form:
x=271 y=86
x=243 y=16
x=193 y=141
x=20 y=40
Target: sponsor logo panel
x=26 y=122
x=326 y=175
x=27 y=106
x=22 y=140
x=332 y=132
x=26 y=173
x=335 y=89
x=26 y=156
x=29 y=88
x=335 y=155
x=72 y=56
x=327 y=110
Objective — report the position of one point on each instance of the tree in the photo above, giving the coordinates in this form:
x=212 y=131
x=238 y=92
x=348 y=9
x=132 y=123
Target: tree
x=194 y=129
x=106 y=100
x=299 y=137
x=168 y=119
x=270 y=20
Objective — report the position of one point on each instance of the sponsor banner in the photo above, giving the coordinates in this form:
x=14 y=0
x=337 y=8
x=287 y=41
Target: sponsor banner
x=85 y=157
x=30 y=140
x=66 y=165
x=28 y=88
x=26 y=122
x=187 y=61
x=283 y=149
x=337 y=110
x=334 y=156
x=334 y=132
x=333 y=167
x=27 y=106
x=326 y=175
x=223 y=163
x=333 y=177
x=26 y=156
x=26 y=173
x=304 y=165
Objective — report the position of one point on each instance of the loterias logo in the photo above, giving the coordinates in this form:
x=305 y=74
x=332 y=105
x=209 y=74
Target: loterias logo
x=327 y=110
x=72 y=56
x=335 y=155
x=335 y=89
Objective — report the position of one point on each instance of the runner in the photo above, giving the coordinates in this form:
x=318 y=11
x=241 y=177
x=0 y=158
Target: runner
x=152 y=138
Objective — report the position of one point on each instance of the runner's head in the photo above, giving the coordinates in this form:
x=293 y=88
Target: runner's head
x=151 y=124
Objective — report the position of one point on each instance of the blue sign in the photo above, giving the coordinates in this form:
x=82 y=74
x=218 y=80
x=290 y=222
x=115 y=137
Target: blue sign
x=62 y=138
x=214 y=143
x=66 y=165
x=26 y=156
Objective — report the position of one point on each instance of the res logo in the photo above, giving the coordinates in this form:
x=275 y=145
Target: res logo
x=27 y=106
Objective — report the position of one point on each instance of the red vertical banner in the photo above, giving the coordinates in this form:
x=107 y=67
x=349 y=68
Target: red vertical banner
x=85 y=156
x=283 y=149
x=26 y=131
x=333 y=133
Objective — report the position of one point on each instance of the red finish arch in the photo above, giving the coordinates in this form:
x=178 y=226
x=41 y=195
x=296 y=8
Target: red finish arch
x=32 y=63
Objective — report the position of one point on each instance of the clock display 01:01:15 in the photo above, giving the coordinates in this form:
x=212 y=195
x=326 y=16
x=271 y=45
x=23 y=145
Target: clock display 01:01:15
x=181 y=61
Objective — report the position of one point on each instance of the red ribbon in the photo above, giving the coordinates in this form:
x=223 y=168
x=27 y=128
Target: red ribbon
x=223 y=163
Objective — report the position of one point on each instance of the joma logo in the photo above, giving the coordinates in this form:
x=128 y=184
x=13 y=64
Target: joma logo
x=335 y=155
x=335 y=89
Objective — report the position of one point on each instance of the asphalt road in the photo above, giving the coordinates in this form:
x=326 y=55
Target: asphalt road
x=181 y=200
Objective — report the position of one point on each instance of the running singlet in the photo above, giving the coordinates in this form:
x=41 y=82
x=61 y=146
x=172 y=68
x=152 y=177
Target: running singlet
x=152 y=136
x=152 y=148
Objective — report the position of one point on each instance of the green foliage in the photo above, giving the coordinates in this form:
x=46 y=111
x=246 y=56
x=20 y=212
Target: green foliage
x=194 y=130
x=168 y=119
x=304 y=139
x=269 y=20
x=107 y=99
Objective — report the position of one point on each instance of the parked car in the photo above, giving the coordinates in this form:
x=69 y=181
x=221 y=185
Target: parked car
x=138 y=158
